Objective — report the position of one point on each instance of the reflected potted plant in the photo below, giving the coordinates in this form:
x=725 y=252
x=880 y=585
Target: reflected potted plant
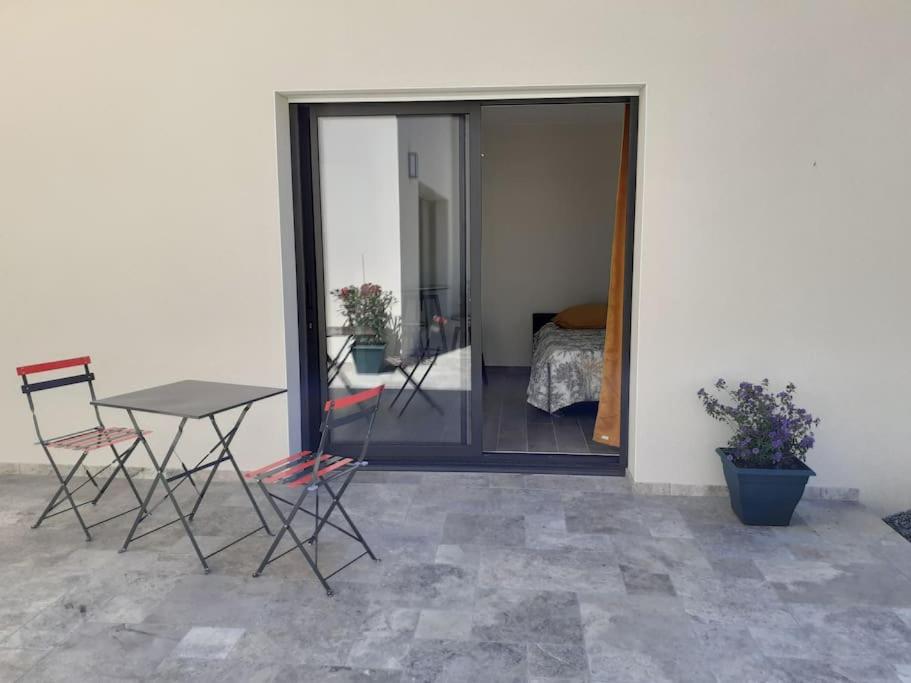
x=764 y=461
x=368 y=312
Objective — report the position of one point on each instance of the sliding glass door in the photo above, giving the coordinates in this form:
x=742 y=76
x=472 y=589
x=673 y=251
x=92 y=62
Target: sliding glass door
x=395 y=243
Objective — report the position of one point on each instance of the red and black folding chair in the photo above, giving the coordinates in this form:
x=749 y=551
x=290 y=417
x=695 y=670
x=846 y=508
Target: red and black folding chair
x=311 y=472
x=83 y=442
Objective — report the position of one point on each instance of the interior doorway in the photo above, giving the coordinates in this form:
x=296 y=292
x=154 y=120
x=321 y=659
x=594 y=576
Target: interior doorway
x=388 y=214
x=549 y=179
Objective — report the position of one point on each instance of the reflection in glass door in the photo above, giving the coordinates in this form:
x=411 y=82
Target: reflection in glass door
x=392 y=194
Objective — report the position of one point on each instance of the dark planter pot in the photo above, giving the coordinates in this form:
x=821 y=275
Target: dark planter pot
x=764 y=497
x=369 y=359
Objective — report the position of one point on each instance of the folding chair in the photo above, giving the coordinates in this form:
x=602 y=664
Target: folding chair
x=312 y=471
x=83 y=441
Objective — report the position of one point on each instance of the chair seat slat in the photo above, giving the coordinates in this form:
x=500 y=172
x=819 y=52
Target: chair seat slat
x=321 y=473
x=251 y=474
x=285 y=473
x=94 y=439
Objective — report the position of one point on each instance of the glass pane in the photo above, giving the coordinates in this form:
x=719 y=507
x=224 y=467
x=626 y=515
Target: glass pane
x=395 y=272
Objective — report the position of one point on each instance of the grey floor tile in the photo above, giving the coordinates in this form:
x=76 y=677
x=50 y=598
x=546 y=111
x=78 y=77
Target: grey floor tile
x=659 y=555
x=17 y=662
x=384 y=639
x=221 y=671
x=449 y=661
x=340 y=674
x=503 y=615
x=428 y=585
x=640 y=581
x=577 y=483
x=207 y=642
x=370 y=476
x=466 y=556
x=735 y=567
x=108 y=652
x=505 y=480
x=455 y=479
x=444 y=624
x=531 y=569
x=562 y=662
x=478 y=583
x=859 y=630
x=590 y=513
x=548 y=532
x=641 y=638
x=281 y=643
x=825 y=583
x=755 y=667
x=463 y=528
x=222 y=601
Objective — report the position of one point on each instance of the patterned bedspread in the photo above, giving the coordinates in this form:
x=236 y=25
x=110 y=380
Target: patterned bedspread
x=566 y=367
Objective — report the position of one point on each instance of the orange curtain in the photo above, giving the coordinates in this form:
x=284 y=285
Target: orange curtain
x=607 y=424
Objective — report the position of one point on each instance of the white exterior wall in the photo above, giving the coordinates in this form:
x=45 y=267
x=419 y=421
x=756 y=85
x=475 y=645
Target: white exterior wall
x=138 y=182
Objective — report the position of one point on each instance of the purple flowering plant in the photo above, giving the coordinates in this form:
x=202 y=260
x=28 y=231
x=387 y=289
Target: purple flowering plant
x=770 y=432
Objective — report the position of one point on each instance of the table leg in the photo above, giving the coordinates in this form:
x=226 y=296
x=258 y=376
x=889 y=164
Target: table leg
x=222 y=441
x=163 y=480
x=243 y=482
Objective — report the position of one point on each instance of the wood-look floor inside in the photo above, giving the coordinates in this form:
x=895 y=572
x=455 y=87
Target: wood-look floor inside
x=512 y=425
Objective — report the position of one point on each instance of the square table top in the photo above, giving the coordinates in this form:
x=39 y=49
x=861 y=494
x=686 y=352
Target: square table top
x=189 y=398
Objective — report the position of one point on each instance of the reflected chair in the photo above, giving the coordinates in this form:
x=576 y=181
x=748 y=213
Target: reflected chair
x=334 y=363
x=82 y=442
x=310 y=472
x=425 y=358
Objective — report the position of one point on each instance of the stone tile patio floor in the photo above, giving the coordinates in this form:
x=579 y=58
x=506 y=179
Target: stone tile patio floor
x=484 y=578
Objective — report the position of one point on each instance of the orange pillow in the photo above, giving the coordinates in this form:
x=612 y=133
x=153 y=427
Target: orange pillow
x=583 y=317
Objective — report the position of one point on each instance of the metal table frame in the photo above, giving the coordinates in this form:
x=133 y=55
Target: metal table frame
x=132 y=404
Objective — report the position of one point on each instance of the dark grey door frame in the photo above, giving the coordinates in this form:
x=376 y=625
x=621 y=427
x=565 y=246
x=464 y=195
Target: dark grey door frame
x=311 y=315
x=310 y=237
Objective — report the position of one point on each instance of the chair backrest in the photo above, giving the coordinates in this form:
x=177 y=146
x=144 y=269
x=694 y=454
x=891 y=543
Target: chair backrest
x=30 y=387
x=363 y=405
x=25 y=370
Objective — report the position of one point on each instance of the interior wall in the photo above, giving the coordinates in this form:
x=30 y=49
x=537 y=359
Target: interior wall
x=138 y=178
x=549 y=183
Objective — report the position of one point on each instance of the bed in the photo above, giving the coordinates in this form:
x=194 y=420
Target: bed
x=566 y=365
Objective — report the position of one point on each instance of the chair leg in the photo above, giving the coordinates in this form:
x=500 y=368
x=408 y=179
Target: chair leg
x=64 y=487
x=286 y=523
x=121 y=461
x=337 y=503
x=286 y=526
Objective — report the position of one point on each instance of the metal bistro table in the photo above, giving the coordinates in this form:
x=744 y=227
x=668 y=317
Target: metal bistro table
x=190 y=400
